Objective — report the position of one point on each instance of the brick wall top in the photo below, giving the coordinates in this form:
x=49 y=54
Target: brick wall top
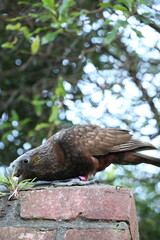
x=73 y=213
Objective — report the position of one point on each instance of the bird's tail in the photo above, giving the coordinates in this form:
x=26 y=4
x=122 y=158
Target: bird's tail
x=148 y=159
x=134 y=158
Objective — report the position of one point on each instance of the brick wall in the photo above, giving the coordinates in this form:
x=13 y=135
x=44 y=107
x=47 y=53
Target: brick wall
x=70 y=213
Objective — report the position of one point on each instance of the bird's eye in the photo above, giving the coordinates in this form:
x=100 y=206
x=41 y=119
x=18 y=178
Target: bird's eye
x=25 y=161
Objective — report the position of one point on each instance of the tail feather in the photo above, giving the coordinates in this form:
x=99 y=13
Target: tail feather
x=133 y=158
x=148 y=159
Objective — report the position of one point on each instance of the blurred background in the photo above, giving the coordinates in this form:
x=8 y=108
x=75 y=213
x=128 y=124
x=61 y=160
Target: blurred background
x=65 y=62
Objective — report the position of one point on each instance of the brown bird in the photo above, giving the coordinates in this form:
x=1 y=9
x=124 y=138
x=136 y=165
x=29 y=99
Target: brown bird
x=81 y=150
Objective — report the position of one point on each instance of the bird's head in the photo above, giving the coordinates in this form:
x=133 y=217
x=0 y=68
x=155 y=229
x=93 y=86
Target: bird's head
x=23 y=166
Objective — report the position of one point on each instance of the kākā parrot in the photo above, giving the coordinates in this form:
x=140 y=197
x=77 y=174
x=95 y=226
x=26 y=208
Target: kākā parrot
x=81 y=150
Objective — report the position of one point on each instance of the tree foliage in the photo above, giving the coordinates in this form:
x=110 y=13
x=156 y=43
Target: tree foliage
x=67 y=61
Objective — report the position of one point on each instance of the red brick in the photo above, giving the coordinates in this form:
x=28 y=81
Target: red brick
x=95 y=234
x=70 y=203
x=11 y=233
x=93 y=202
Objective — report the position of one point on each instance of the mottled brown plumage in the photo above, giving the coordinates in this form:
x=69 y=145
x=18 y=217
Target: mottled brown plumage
x=81 y=150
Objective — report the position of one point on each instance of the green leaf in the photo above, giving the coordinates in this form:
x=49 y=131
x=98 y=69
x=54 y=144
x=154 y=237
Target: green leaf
x=15 y=19
x=2 y=194
x=50 y=36
x=3 y=179
x=35 y=45
x=5 y=125
x=111 y=36
x=78 y=13
x=11 y=182
x=60 y=90
x=31 y=133
x=45 y=17
x=4 y=136
x=24 y=122
x=139 y=34
x=37 y=4
x=25 y=184
x=127 y=3
x=49 y=4
x=26 y=32
x=54 y=114
x=7 y=45
x=106 y=5
x=121 y=8
x=121 y=23
x=34 y=15
x=64 y=7
x=14 y=115
x=23 y=2
x=56 y=24
x=13 y=27
x=107 y=22
x=37 y=105
x=41 y=125
x=38 y=30
x=7 y=181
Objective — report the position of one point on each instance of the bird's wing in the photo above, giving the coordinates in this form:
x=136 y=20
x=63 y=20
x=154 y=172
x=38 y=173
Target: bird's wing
x=92 y=139
x=131 y=145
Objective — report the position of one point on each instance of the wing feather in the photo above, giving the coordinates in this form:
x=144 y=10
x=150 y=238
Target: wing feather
x=91 y=138
x=96 y=140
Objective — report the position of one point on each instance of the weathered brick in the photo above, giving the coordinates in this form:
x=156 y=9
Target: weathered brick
x=70 y=203
x=93 y=202
x=95 y=234
x=11 y=233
